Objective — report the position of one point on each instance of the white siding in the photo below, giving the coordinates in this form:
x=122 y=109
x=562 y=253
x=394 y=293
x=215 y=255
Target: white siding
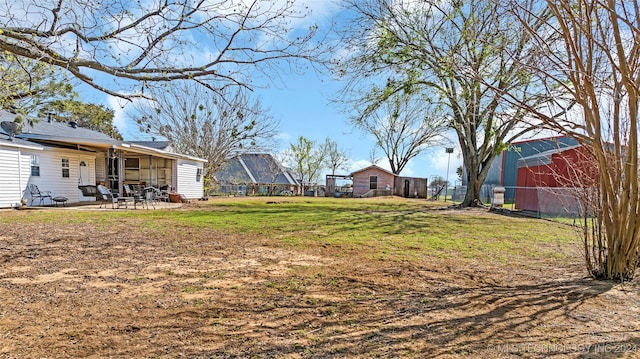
x=51 y=179
x=15 y=168
x=187 y=184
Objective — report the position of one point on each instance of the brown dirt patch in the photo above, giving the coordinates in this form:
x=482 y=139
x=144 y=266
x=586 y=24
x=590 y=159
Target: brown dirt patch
x=78 y=291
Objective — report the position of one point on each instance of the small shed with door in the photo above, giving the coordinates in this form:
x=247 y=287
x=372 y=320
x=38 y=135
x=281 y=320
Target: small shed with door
x=373 y=181
x=410 y=187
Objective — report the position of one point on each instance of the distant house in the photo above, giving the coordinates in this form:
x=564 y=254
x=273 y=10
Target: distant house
x=61 y=156
x=375 y=181
x=255 y=173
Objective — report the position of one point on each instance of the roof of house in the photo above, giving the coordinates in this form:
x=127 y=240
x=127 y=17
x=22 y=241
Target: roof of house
x=7 y=141
x=158 y=145
x=539 y=139
x=53 y=132
x=254 y=168
x=11 y=141
x=373 y=167
x=61 y=130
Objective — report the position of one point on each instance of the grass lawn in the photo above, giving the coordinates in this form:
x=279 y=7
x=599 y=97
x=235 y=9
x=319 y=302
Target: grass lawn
x=288 y=277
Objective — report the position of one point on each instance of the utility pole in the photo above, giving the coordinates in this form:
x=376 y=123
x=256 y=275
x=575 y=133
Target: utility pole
x=449 y=150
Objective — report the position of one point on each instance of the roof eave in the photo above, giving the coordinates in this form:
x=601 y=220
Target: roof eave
x=151 y=151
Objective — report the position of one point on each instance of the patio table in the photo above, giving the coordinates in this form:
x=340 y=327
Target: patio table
x=124 y=201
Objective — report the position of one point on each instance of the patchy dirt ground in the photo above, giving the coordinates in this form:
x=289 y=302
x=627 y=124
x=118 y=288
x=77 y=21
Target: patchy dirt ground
x=136 y=292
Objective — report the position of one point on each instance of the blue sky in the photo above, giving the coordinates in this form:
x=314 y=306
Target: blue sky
x=301 y=103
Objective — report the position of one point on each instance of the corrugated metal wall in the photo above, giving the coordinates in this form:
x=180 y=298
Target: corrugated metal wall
x=519 y=150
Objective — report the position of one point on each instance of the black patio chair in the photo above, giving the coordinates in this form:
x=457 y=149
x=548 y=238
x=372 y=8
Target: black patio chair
x=139 y=197
x=35 y=192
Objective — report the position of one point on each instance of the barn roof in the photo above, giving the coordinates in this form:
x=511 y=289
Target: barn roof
x=542 y=158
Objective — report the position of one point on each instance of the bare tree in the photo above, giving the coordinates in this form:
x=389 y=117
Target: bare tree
x=217 y=43
x=337 y=158
x=597 y=61
x=465 y=56
x=308 y=160
x=373 y=157
x=205 y=124
x=404 y=126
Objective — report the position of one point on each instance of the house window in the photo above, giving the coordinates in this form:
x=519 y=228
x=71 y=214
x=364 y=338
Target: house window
x=65 y=168
x=199 y=175
x=373 y=182
x=35 y=165
x=132 y=169
x=132 y=162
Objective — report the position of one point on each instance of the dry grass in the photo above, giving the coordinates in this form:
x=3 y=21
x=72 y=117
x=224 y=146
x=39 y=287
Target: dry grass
x=206 y=282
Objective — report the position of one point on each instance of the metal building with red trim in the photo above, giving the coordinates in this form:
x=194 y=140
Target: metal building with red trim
x=552 y=181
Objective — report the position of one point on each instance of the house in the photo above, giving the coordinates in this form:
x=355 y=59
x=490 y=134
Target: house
x=255 y=173
x=62 y=156
x=376 y=181
x=552 y=181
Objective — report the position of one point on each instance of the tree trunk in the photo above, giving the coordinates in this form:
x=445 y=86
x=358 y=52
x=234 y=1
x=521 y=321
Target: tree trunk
x=476 y=172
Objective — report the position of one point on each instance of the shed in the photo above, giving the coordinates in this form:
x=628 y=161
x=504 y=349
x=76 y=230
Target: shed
x=373 y=181
x=413 y=187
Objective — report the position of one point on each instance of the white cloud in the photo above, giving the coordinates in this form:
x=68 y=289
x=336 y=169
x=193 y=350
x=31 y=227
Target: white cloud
x=319 y=9
x=284 y=137
x=124 y=111
x=119 y=114
x=440 y=160
x=358 y=165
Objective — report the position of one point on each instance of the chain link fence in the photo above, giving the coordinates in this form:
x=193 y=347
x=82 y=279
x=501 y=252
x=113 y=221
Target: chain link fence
x=561 y=203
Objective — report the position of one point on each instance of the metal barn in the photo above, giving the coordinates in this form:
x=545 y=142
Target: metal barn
x=552 y=182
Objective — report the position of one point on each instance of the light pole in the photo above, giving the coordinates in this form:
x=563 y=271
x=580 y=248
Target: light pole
x=448 y=150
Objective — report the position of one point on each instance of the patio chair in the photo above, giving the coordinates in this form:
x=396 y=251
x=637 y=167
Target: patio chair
x=151 y=196
x=37 y=193
x=138 y=197
x=104 y=195
x=162 y=194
